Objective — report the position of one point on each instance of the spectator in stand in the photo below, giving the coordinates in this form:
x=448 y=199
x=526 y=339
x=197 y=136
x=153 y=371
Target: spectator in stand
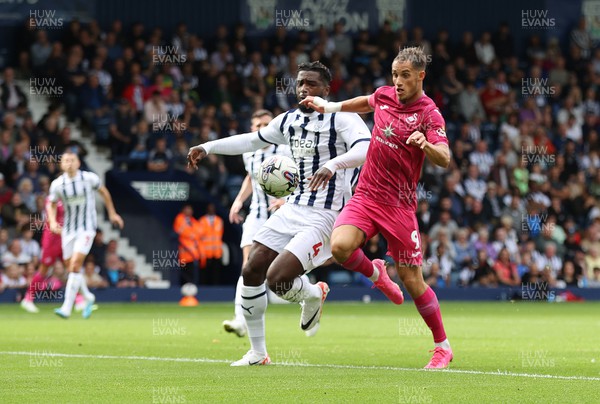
x=112 y=269
x=484 y=274
x=160 y=158
x=30 y=246
x=40 y=50
x=15 y=255
x=12 y=95
x=91 y=273
x=121 y=129
x=25 y=191
x=15 y=213
x=473 y=184
x=581 y=38
x=568 y=276
x=482 y=158
x=485 y=49
x=13 y=277
x=506 y=270
x=469 y=103
x=6 y=192
x=128 y=278
x=493 y=100
x=155 y=111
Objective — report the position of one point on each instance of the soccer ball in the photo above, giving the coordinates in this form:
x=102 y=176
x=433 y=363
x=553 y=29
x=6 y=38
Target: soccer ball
x=278 y=176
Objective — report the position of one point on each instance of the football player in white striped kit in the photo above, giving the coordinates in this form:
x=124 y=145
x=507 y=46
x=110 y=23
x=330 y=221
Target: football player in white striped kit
x=77 y=189
x=296 y=239
x=261 y=208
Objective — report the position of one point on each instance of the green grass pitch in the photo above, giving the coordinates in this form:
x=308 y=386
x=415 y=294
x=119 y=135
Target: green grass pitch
x=363 y=353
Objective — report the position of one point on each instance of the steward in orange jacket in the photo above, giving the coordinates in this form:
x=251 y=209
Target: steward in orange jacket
x=211 y=234
x=190 y=247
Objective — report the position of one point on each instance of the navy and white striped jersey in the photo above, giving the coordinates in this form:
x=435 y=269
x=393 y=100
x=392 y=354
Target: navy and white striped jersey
x=314 y=139
x=260 y=201
x=79 y=200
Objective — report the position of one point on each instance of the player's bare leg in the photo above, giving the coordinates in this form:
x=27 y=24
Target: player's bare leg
x=254 y=303
x=37 y=283
x=286 y=278
x=238 y=324
x=346 y=242
x=75 y=283
x=429 y=308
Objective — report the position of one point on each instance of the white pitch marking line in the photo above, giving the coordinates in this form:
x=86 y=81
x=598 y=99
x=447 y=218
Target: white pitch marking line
x=314 y=365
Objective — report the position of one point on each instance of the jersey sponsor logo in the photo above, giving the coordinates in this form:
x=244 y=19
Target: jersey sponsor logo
x=76 y=200
x=441 y=132
x=303 y=147
x=385 y=142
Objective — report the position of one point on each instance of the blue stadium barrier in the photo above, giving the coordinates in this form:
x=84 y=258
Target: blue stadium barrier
x=338 y=293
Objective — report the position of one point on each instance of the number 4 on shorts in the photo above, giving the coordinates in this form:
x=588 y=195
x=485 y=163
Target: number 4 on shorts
x=317 y=248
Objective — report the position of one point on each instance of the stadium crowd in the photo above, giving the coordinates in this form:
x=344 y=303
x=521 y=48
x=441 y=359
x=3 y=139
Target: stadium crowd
x=519 y=203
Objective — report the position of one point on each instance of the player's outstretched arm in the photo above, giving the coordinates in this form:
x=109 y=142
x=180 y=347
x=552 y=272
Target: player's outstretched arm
x=229 y=146
x=110 y=207
x=236 y=206
x=358 y=104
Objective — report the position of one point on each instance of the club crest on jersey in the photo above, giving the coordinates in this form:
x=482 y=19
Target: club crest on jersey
x=412 y=119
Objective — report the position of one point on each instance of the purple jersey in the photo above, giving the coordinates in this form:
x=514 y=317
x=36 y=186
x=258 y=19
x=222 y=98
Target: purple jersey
x=392 y=170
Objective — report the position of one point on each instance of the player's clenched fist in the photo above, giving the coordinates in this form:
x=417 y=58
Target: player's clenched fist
x=195 y=154
x=417 y=139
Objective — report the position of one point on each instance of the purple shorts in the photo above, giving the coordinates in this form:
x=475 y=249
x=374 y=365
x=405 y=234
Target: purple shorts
x=397 y=225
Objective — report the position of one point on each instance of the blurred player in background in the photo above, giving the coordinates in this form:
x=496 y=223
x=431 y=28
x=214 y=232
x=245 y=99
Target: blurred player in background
x=296 y=239
x=51 y=252
x=76 y=189
x=408 y=127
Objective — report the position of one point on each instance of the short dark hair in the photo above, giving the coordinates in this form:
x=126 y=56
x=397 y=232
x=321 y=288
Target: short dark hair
x=262 y=112
x=316 y=67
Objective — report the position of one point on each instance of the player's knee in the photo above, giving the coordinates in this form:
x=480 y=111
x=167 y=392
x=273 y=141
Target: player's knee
x=340 y=250
x=255 y=269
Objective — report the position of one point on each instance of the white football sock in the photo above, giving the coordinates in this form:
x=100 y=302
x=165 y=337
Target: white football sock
x=444 y=344
x=87 y=295
x=301 y=290
x=254 y=305
x=239 y=312
x=375 y=276
x=73 y=283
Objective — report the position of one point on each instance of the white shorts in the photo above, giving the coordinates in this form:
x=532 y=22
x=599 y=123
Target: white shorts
x=80 y=242
x=304 y=231
x=250 y=228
